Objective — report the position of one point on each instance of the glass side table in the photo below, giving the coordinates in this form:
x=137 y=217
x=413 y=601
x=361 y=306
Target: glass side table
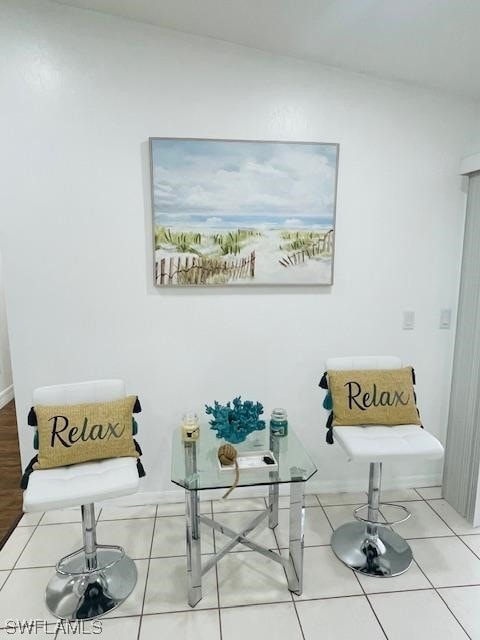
x=195 y=468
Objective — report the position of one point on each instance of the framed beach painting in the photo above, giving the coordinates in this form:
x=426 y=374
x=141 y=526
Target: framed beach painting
x=242 y=212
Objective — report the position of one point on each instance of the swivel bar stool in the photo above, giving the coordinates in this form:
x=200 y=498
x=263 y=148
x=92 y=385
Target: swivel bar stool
x=367 y=545
x=96 y=578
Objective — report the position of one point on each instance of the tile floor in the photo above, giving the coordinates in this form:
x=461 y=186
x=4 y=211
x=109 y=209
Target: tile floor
x=246 y=595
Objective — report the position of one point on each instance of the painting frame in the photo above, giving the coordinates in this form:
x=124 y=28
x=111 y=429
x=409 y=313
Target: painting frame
x=164 y=280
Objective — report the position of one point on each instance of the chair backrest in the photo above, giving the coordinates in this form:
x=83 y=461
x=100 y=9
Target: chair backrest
x=80 y=392
x=364 y=362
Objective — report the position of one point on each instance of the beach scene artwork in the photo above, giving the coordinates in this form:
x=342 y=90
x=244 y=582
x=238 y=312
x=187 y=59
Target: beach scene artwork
x=234 y=212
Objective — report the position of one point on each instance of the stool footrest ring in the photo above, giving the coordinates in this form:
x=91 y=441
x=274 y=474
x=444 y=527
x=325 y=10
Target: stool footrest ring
x=386 y=523
x=63 y=569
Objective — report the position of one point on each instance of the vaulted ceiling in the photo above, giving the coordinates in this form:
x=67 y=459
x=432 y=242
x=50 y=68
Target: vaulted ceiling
x=434 y=43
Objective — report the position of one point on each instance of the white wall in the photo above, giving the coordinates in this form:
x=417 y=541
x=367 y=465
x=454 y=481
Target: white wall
x=470 y=161
x=81 y=93
x=475 y=141
x=6 y=388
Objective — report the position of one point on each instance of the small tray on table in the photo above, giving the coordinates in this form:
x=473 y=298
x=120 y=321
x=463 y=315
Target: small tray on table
x=251 y=460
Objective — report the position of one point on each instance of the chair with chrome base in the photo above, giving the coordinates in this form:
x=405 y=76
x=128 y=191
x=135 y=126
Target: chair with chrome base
x=97 y=578
x=368 y=546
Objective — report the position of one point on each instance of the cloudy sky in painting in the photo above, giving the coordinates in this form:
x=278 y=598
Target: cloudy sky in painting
x=217 y=178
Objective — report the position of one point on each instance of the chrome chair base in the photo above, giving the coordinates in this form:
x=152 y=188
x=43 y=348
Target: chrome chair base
x=75 y=593
x=384 y=555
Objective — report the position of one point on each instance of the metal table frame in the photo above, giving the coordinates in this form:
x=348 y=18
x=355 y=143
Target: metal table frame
x=292 y=564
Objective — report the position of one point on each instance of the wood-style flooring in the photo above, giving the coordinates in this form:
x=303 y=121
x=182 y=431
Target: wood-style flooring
x=10 y=472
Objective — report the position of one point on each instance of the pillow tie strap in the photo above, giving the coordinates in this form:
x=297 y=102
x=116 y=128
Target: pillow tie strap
x=328 y=405
x=28 y=471
x=137 y=407
x=32 y=417
x=329 y=427
x=137 y=447
x=415 y=396
x=140 y=469
x=323 y=381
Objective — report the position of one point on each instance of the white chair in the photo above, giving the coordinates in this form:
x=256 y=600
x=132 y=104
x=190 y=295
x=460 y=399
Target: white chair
x=368 y=546
x=97 y=578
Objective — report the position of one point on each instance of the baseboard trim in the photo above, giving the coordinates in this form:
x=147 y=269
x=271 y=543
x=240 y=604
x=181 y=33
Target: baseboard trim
x=313 y=486
x=6 y=395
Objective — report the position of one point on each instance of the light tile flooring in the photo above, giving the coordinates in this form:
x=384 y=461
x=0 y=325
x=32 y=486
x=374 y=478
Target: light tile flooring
x=246 y=595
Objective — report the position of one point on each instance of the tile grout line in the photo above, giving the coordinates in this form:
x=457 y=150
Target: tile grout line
x=173 y=515
x=373 y=611
x=18 y=558
x=437 y=514
x=453 y=615
x=440 y=596
x=474 y=552
x=298 y=616
x=365 y=595
x=147 y=574
x=292 y=599
x=21 y=552
x=457 y=535
x=255 y=604
x=329 y=522
x=405 y=590
x=428 y=579
x=361 y=586
x=313 y=599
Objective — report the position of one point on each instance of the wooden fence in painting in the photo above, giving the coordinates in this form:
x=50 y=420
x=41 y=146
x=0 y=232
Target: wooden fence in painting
x=323 y=247
x=203 y=270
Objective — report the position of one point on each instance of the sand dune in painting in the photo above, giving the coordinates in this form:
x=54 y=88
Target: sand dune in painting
x=243 y=256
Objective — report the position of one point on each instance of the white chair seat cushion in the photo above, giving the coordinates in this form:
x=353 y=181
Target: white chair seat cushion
x=80 y=484
x=378 y=443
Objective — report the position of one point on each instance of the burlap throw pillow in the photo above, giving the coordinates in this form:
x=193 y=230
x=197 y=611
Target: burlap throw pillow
x=373 y=396
x=81 y=432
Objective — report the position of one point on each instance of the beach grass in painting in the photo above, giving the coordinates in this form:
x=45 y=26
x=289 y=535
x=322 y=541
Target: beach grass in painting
x=238 y=212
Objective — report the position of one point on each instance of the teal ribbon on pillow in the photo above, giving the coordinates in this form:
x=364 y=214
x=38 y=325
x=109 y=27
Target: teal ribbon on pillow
x=35 y=440
x=134 y=427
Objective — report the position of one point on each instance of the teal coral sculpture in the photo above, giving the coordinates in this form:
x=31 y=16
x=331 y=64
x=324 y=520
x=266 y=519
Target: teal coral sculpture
x=234 y=423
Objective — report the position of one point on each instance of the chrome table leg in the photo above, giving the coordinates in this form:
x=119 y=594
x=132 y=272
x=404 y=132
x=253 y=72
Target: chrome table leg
x=194 y=558
x=273 y=493
x=274 y=488
x=295 y=547
x=192 y=513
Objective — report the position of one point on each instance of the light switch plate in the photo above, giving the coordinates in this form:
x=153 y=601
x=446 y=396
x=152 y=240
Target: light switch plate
x=445 y=318
x=408 y=320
